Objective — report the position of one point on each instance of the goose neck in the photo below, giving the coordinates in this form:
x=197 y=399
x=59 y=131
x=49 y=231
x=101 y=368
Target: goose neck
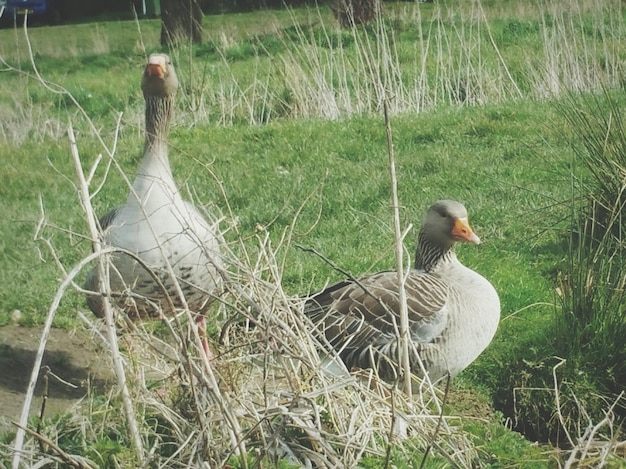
x=155 y=164
x=158 y=119
x=431 y=254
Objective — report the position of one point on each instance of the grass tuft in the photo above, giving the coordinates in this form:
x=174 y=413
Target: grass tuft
x=591 y=327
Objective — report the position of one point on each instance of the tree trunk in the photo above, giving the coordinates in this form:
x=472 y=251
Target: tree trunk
x=181 y=20
x=350 y=13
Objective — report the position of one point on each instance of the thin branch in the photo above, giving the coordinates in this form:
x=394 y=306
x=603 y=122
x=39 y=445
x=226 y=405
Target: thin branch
x=118 y=364
x=68 y=459
x=405 y=363
x=45 y=334
x=327 y=260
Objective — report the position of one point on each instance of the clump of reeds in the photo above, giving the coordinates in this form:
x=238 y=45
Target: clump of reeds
x=451 y=53
x=592 y=287
x=457 y=57
x=589 y=317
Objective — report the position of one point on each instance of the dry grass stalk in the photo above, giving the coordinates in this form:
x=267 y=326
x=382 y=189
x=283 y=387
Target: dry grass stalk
x=71 y=461
x=92 y=222
x=595 y=443
x=19 y=438
x=403 y=333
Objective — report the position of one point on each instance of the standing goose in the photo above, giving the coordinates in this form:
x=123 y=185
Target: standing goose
x=158 y=226
x=453 y=311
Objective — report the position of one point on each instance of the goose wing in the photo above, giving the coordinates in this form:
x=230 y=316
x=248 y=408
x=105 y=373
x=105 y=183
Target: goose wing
x=366 y=311
x=106 y=220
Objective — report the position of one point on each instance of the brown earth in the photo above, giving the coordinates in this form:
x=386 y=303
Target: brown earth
x=71 y=355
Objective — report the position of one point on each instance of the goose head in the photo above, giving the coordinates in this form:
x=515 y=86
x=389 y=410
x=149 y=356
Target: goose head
x=159 y=77
x=446 y=223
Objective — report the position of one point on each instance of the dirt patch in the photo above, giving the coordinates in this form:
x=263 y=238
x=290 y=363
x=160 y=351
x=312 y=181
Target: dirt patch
x=72 y=355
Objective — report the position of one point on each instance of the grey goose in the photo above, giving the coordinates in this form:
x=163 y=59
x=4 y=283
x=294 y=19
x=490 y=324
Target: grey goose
x=166 y=233
x=453 y=311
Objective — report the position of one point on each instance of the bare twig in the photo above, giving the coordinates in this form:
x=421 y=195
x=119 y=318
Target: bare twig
x=433 y=438
x=327 y=260
x=92 y=222
x=68 y=459
x=404 y=314
x=45 y=334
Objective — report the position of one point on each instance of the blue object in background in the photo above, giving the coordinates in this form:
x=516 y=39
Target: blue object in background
x=44 y=10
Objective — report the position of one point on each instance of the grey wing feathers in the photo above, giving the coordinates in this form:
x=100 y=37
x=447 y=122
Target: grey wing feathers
x=367 y=311
x=427 y=299
x=107 y=219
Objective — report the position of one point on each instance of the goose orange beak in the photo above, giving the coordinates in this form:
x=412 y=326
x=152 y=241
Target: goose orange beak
x=461 y=231
x=155 y=70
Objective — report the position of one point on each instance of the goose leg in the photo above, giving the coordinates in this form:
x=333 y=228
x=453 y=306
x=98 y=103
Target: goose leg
x=201 y=322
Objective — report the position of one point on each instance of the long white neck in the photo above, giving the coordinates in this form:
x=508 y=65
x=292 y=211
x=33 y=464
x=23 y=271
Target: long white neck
x=154 y=184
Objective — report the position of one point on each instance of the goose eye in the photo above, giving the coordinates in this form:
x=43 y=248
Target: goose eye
x=443 y=214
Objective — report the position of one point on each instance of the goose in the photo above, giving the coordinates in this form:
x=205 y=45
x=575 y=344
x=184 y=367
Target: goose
x=163 y=233
x=453 y=311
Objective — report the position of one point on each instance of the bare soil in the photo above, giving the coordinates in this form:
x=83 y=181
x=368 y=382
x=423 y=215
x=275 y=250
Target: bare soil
x=71 y=355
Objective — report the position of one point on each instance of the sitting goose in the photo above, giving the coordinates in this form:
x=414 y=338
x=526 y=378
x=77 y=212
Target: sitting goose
x=453 y=311
x=158 y=226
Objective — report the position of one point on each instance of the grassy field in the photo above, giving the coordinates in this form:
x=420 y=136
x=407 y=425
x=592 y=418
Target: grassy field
x=279 y=127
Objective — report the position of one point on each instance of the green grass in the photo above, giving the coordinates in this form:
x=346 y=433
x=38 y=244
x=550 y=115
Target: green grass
x=471 y=125
x=340 y=185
